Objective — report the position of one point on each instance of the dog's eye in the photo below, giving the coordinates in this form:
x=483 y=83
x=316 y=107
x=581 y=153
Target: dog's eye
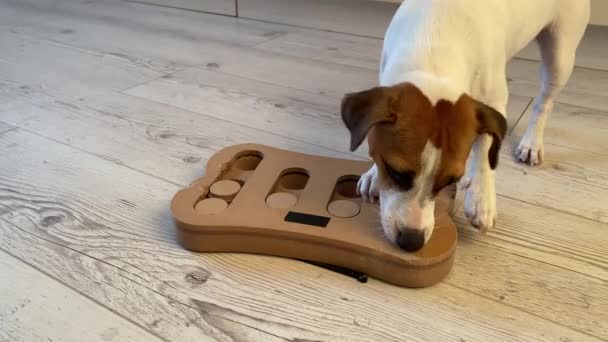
x=453 y=180
x=404 y=179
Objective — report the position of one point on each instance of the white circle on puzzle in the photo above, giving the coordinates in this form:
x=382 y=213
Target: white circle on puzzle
x=210 y=206
x=343 y=208
x=281 y=200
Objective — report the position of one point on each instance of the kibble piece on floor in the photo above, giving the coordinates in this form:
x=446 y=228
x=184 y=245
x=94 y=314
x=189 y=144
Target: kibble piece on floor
x=343 y=208
x=225 y=189
x=210 y=206
x=281 y=200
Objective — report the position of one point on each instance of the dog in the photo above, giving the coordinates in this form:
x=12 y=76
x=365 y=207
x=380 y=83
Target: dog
x=438 y=115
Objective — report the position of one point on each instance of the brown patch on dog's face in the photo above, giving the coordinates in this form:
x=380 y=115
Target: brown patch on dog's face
x=457 y=130
x=400 y=120
x=418 y=150
x=397 y=147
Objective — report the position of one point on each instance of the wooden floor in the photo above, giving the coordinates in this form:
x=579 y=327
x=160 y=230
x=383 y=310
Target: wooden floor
x=107 y=108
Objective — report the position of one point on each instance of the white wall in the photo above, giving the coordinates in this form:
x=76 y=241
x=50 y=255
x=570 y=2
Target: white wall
x=599 y=12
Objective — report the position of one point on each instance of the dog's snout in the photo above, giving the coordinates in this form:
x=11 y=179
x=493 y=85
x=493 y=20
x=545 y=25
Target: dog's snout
x=410 y=240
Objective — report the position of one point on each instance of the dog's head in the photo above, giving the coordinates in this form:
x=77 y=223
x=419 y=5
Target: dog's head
x=418 y=148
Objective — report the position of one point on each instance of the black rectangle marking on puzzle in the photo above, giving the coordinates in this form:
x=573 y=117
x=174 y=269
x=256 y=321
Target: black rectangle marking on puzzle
x=311 y=220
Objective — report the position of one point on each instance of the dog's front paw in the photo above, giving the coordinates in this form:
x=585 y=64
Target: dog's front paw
x=530 y=149
x=367 y=186
x=480 y=203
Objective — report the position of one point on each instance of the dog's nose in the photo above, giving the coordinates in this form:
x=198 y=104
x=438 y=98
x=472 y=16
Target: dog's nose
x=410 y=240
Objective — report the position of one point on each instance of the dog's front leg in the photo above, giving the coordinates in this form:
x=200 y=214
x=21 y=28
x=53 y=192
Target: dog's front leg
x=480 y=186
x=367 y=186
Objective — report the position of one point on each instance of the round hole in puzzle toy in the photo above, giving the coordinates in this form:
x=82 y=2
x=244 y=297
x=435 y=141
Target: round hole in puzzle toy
x=295 y=180
x=347 y=187
x=281 y=200
x=343 y=208
x=210 y=206
x=248 y=162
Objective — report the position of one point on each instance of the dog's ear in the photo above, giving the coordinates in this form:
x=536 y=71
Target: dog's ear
x=363 y=110
x=493 y=123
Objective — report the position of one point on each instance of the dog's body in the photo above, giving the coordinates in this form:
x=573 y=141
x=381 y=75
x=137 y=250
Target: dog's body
x=443 y=93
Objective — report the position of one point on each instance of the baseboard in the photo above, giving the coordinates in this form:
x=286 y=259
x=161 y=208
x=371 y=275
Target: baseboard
x=361 y=17
x=226 y=7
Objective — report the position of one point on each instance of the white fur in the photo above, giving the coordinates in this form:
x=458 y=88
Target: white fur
x=413 y=209
x=368 y=185
x=450 y=47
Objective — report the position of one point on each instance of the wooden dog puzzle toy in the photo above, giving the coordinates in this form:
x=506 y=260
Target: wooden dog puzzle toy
x=262 y=200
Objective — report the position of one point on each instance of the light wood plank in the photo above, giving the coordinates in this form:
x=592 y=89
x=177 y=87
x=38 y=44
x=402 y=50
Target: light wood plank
x=120 y=216
x=242 y=101
x=45 y=123
x=298 y=73
x=361 y=17
x=98 y=33
x=525 y=284
x=259 y=66
x=38 y=308
x=265 y=106
x=53 y=68
x=363 y=52
x=4 y=127
x=227 y=7
x=265 y=88
x=123 y=289
x=586 y=87
x=568 y=95
x=552 y=184
x=158 y=21
x=109 y=28
x=583 y=80
x=214 y=55
x=50 y=124
x=311 y=53
x=323 y=78
x=165 y=141
x=49 y=118
x=571 y=126
x=592 y=52
x=72 y=204
x=550 y=236
x=121 y=285
x=516 y=107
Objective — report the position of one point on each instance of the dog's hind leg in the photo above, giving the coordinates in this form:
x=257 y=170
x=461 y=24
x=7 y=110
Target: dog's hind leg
x=558 y=44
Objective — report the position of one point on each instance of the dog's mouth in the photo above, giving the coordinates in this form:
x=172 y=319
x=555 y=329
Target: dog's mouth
x=406 y=223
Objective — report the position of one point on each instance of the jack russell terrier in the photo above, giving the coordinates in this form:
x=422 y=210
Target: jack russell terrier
x=438 y=115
